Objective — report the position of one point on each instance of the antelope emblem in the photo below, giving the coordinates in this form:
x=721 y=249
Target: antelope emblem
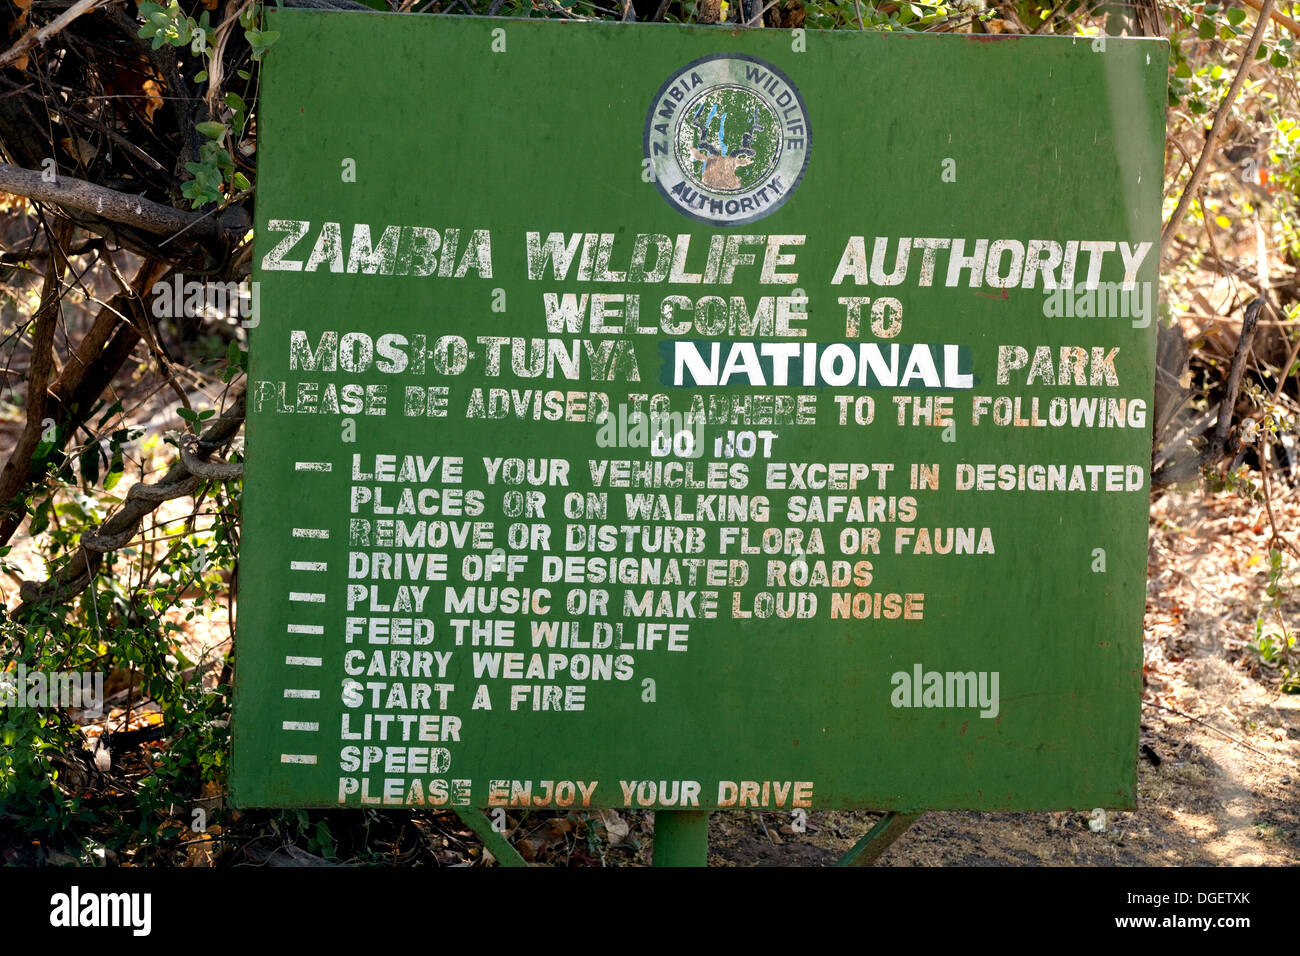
x=720 y=168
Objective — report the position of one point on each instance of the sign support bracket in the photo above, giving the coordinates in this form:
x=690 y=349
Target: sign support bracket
x=878 y=839
x=493 y=840
x=681 y=838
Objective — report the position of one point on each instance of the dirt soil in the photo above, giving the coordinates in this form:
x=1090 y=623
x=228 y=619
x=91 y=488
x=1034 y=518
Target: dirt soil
x=1218 y=768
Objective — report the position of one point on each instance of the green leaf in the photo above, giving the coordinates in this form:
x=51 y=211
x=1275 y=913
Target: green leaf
x=90 y=465
x=1206 y=29
x=1261 y=51
x=241 y=182
x=211 y=129
x=260 y=41
x=1236 y=15
x=1279 y=59
x=236 y=102
x=188 y=414
x=1183 y=70
x=115 y=471
x=114 y=409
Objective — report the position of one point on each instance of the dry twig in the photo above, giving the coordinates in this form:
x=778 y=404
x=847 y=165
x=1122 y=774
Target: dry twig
x=1216 y=130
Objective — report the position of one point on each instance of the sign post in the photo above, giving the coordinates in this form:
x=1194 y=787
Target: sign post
x=680 y=419
x=681 y=838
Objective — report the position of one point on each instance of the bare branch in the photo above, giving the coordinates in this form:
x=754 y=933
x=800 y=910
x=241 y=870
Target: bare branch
x=68 y=400
x=74 y=575
x=145 y=214
x=1220 y=120
x=1278 y=17
x=1221 y=444
x=13 y=478
x=216 y=471
x=1237 y=370
x=40 y=34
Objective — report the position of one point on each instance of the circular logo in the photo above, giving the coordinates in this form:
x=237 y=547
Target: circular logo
x=728 y=139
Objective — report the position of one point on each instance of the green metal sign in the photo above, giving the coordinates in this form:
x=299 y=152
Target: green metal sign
x=681 y=418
